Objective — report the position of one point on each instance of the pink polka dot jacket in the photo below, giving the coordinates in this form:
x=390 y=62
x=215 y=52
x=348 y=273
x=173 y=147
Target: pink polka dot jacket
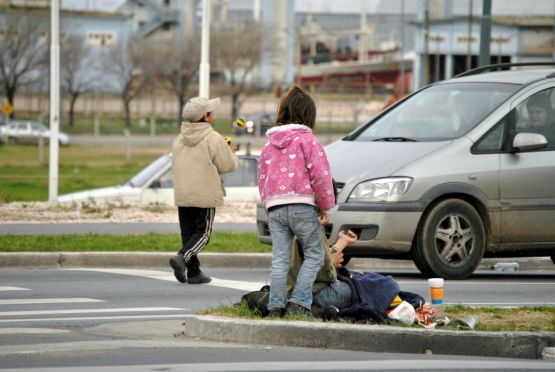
x=294 y=169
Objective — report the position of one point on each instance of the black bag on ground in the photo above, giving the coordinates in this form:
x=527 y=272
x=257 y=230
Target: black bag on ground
x=258 y=300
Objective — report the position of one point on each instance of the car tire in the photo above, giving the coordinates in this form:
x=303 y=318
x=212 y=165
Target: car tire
x=12 y=140
x=450 y=240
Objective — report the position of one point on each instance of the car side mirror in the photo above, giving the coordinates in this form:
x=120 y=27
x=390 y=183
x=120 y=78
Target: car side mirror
x=528 y=142
x=156 y=184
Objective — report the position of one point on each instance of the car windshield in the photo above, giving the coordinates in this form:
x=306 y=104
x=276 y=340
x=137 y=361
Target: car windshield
x=440 y=112
x=146 y=174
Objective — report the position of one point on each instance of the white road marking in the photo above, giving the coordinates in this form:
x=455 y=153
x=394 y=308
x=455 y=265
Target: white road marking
x=470 y=282
x=81 y=318
x=502 y=304
x=13 y=289
x=164 y=275
x=28 y=301
x=14 y=331
x=89 y=311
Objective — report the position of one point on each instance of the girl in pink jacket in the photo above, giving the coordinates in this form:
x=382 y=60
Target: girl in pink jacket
x=296 y=189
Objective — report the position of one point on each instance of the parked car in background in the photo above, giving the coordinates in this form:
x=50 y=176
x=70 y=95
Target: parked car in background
x=155 y=184
x=30 y=132
x=257 y=123
x=457 y=171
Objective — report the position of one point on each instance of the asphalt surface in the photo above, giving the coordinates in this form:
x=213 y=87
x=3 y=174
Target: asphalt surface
x=110 y=318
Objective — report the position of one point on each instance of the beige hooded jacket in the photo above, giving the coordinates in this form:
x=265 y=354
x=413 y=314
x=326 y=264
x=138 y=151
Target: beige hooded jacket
x=199 y=155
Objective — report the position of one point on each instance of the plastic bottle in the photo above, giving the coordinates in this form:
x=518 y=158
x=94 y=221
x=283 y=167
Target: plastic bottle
x=437 y=295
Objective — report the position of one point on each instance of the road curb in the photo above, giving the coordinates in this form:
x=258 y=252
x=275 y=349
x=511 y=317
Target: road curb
x=211 y=259
x=126 y=259
x=371 y=338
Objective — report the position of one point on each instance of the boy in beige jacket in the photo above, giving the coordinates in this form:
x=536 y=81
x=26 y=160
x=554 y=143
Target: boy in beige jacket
x=199 y=155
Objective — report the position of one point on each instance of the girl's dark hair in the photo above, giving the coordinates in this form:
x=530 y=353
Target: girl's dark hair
x=296 y=107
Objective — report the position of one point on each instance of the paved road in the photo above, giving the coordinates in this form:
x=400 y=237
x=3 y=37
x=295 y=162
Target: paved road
x=110 y=228
x=117 y=317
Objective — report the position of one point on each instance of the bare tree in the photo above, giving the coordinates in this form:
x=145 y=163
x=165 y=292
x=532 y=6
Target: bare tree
x=180 y=68
x=76 y=80
x=23 y=46
x=132 y=66
x=237 y=50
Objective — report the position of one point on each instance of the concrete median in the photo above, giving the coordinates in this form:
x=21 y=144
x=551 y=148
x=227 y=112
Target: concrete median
x=371 y=338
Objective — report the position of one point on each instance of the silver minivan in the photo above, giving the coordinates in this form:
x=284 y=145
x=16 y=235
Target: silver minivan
x=460 y=170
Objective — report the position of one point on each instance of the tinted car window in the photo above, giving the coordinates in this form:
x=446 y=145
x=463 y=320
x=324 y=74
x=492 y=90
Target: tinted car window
x=147 y=173
x=245 y=175
x=440 y=112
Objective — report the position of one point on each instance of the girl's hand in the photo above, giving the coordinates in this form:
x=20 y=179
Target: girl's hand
x=324 y=217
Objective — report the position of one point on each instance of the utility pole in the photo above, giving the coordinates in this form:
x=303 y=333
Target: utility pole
x=402 y=60
x=485 y=34
x=469 y=45
x=54 y=99
x=204 y=67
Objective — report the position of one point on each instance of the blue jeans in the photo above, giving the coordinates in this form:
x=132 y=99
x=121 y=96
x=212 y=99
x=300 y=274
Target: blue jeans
x=286 y=222
x=336 y=294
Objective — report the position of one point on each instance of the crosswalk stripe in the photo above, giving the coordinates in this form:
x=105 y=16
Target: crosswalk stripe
x=5 y=288
x=164 y=275
x=15 y=331
x=88 y=311
x=28 y=301
x=81 y=318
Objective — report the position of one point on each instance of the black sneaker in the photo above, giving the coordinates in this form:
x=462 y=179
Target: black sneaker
x=178 y=266
x=293 y=308
x=330 y=313
x=275 y=313
x=199 y=279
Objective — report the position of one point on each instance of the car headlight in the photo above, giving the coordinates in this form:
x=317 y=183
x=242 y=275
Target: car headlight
x=381 y=190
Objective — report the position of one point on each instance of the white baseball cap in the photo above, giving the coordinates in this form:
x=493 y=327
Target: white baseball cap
x=196 y=107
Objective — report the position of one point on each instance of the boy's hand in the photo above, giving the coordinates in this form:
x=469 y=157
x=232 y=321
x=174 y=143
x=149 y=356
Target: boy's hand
x=349 y=237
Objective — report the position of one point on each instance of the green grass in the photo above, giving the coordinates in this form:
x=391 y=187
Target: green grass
x=219 y=242
x=22 y=178
x=531 y=319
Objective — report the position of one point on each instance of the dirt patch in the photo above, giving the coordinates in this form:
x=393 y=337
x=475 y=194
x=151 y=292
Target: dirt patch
x=39 y=212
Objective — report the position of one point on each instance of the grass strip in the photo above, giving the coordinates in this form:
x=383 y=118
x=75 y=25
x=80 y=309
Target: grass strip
x=219 y=242
x=490 y=319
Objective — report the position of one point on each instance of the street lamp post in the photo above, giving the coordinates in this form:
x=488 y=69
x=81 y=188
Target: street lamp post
x=54 y=99
x=204 y=67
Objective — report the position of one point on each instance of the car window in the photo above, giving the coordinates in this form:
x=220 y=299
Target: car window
x=166 y=180
x=146 y=174
x=38 y=126
x=22 y=126
x=536 y=115
x=245 y=175
x=440 y=112
x=493 y=141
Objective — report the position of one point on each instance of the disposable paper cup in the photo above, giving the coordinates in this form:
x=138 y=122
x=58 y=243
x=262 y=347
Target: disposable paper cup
x=436 y=290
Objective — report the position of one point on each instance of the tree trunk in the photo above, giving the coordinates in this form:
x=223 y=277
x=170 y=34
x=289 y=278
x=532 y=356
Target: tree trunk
x=235 y=105
x=10 y=95
x=181 y=101
x=72 y=101
x=126 y=106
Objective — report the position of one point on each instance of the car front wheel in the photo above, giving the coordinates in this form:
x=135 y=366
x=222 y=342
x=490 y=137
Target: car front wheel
x=450 y=240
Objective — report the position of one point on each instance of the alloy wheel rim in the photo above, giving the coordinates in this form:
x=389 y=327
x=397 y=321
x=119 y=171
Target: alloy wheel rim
x=454 y=240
